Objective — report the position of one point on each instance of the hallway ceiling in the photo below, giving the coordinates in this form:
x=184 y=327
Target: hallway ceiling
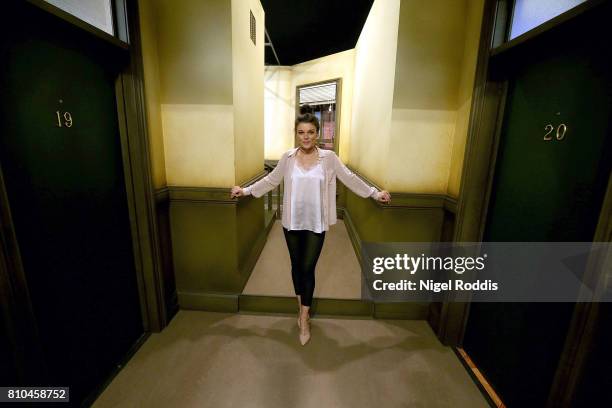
x=302 y=30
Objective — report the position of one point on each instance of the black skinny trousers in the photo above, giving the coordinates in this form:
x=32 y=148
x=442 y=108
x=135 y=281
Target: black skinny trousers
x=304 y=249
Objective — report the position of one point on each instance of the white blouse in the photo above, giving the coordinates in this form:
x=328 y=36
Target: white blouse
x=307 y=199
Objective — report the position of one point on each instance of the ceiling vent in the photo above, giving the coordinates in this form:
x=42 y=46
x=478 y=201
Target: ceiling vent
x=253 y=27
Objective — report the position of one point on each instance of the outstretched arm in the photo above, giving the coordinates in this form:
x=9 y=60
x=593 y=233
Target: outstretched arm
x=354 y=183
x=269 y=182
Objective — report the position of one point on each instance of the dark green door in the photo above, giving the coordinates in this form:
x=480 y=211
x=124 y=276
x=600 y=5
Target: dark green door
x=544 y=190
x=61 y=157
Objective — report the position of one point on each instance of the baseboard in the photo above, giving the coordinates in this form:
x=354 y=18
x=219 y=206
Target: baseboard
x=401 y=310
x=479 y=379
x=212 y=302
x=320 y=306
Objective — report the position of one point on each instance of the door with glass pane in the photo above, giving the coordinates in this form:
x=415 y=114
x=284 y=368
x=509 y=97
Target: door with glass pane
x=61 y=157
x=551 y=173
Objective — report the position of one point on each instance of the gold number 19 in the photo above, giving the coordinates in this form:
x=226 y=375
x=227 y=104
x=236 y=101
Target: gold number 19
x=67 y=119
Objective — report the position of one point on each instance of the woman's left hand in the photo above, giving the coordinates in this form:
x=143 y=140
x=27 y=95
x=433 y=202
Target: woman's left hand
x=384 y=197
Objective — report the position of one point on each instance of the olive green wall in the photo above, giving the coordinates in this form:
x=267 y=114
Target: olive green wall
x=374 y=222
x=216 y=242
x=205 y=247
x=413 y=218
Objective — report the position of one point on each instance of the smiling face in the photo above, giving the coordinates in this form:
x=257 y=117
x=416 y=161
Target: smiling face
x=307 y=135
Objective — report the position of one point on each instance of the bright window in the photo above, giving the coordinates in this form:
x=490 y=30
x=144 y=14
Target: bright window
x=529 y=14
x=98 y=13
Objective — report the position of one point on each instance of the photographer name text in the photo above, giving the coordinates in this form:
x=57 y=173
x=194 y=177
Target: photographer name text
x=429 y=285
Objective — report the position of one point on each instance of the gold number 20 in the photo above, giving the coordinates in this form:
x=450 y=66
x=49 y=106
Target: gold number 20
x=560 y=135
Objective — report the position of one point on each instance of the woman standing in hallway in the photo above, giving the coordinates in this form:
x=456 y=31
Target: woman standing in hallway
x=309 y=205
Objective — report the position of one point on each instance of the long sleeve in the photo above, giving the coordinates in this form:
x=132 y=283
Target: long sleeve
x=354 y=183
x=269 y=182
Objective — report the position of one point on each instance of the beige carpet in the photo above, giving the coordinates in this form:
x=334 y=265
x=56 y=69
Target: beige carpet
x=337 y=276
x=205 y=359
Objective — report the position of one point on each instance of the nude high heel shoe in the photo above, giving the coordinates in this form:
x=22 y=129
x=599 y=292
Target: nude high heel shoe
x=305 y=332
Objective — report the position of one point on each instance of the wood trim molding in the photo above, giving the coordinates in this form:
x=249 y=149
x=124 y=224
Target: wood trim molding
x=162 y=195
x=273 y=305
x=215 y=195
x=202 y=195
x=479 y=379
x=137 y=166
x=413 y=200
x=450 y=204
x=214 y=302
x=471 y=205
x=338 y=115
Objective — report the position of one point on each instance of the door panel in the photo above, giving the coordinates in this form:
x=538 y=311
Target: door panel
x=551 y=190
x=595 y=385
x=544 y=191
x=67 y=195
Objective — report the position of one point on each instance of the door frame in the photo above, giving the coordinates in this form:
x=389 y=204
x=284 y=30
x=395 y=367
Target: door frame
x=481 y=152
x=338 y=82
x=15 y=304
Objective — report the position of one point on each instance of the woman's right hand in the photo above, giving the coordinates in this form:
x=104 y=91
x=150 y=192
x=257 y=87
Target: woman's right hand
x=384 y=197
x=236 y=192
